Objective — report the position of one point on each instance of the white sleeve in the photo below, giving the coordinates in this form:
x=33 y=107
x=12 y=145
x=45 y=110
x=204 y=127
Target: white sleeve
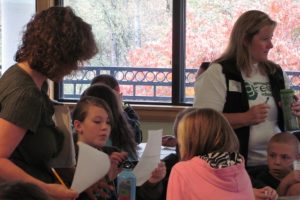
x=210 y=88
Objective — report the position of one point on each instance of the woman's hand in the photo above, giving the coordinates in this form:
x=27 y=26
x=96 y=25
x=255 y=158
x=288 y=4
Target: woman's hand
x=158 y=174
x=60 y=192
x=258 y=113
x=295 y=107
x=266 y=193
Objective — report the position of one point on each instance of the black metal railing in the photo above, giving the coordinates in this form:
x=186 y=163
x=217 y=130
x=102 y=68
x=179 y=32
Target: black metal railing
x=144 y=84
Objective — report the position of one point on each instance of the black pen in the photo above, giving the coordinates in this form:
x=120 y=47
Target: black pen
x=267 y=99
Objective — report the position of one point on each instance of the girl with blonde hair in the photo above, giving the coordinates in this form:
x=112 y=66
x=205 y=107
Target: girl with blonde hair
x=210 y=166
x=213 y=134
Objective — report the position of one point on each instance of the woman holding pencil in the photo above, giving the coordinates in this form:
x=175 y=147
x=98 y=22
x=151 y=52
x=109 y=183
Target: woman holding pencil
x=55 y=43
x=245 y=85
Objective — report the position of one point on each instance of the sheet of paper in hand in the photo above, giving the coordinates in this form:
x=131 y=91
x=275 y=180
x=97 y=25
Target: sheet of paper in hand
x=92 y=165
x=150 y=158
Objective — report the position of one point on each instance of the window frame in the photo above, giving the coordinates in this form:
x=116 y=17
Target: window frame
x=178 y=61
x=178 y=58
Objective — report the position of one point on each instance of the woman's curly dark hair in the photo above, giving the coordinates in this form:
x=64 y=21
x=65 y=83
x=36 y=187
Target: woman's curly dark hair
x=56 y=41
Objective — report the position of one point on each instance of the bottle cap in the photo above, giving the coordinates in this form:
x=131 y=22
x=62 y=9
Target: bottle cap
x=127 y=164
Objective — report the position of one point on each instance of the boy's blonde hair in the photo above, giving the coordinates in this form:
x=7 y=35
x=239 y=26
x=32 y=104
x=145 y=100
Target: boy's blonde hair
x=285 y=138
x=204 y=131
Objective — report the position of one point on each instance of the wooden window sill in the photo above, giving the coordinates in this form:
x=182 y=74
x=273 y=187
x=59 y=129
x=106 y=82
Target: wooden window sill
x=152 y=113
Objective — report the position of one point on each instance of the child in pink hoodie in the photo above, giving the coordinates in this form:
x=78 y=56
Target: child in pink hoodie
x=210 y=167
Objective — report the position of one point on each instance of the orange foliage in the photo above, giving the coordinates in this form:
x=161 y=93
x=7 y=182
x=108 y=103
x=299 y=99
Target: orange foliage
x=206 y=39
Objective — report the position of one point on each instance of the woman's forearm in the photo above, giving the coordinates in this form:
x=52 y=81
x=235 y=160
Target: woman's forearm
x=11 y=172
x=238 y=120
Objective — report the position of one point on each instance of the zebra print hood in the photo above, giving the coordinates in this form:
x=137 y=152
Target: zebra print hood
x=219 y=160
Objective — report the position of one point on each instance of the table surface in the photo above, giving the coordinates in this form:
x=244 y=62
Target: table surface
x=289 y=198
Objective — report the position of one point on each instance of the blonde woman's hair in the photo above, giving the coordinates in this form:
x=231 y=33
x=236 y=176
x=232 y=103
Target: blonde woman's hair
x=244 y=29
x=205 y=131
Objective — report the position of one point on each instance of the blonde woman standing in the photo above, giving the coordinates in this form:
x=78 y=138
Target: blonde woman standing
x=244 y=85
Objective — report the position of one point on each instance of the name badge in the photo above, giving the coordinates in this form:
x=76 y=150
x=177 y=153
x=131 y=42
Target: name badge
x=234 y=86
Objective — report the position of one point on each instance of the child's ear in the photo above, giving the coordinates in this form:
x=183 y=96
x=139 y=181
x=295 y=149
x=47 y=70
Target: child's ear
x=77 y=126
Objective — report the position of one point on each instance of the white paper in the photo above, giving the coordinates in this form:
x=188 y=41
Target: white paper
x=164 y=152
x=92 y=165
x=150 y=158
x=296 y=164
x=234 y=86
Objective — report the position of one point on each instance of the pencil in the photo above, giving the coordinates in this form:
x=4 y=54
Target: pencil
x=58 y=177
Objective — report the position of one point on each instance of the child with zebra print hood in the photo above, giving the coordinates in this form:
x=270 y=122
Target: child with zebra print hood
x=210 y=166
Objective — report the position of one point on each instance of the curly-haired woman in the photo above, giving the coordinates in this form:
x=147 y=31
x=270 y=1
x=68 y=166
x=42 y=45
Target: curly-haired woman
x=54 y=44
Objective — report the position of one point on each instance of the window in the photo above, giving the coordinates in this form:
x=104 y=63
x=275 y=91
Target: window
x=154 y=46
x=14 y=14
x=135 y=42
x=209 y=21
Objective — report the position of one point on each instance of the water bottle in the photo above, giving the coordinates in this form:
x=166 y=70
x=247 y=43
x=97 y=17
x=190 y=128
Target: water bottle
x=126 y=182
x=290 y=120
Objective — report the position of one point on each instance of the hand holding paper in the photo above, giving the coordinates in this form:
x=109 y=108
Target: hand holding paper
x=150 y=157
